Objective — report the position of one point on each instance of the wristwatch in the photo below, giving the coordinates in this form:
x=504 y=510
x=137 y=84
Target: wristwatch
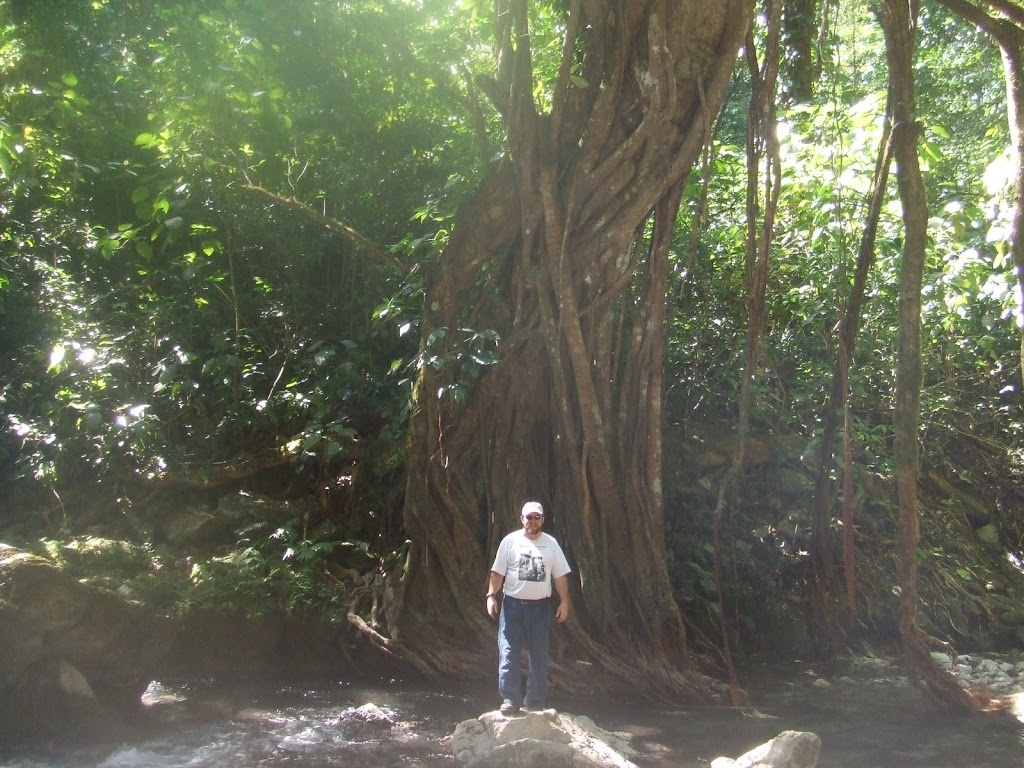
x=492 y=594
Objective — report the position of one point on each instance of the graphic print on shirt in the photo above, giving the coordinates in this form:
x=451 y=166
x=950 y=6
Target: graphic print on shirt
x=531 y=567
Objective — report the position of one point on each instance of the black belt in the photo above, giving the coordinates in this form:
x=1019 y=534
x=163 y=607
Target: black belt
x=528 y=602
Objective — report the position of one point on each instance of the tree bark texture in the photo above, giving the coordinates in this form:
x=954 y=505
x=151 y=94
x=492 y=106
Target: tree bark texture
x=800 y=34
x=899 y=18
x=564 y=253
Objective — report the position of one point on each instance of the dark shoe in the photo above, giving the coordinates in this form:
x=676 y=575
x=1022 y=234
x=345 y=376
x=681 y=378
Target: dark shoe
x=508 y=708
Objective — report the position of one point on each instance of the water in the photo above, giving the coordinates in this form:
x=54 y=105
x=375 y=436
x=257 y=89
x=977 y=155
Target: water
x=208 y=724
x=866 y=723
x=866 y=726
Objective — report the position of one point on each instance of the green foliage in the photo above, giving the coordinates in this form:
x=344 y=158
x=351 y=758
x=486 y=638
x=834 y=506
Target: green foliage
x=269 y=570
x=828 y=151
x=161 y=314
x=88 y=556
x=282 y=569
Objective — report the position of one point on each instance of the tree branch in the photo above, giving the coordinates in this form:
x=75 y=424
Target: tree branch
x=354 y=236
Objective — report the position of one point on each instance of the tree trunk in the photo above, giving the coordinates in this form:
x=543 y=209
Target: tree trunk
x=899 y=18
x=822 y=584
x=1013 y=69
x=800 y=33
x=564 y=254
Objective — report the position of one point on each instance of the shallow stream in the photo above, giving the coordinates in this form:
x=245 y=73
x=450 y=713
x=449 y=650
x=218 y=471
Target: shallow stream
x=877 y=722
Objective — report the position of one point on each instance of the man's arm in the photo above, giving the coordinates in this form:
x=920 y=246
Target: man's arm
x=562 y=588
x=494 y=583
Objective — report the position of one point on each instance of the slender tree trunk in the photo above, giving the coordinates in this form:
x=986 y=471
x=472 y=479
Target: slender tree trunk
x=1013 y=54
x=762 y=205
x=564 y=253
x=821 y=586
x=899 y=19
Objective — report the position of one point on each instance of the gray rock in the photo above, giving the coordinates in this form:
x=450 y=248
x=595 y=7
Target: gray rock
x=988 y=667
x=84 y=646
x=193 y=526
x=529 y=753
x=545 y=740
x=790 y=749
x=471 y=739
x=533 y=726
x=366 y=723
x=51 y=699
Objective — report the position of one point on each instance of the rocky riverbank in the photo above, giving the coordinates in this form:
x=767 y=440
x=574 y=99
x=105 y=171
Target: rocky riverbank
x=1000 y=675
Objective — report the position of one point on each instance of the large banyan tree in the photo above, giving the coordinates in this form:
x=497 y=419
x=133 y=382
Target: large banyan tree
x=562 y=255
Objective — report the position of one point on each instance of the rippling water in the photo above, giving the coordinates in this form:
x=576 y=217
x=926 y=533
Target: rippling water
x=208 y=724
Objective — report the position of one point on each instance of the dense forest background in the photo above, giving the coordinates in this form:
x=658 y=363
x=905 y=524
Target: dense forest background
x=226 y=267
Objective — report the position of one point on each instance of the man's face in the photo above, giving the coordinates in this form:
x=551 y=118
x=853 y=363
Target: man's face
x=532 y=523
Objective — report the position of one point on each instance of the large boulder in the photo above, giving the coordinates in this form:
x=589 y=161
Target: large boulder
x=790 y=749
x=546 y=739
x=70 y=653
x=52 y=698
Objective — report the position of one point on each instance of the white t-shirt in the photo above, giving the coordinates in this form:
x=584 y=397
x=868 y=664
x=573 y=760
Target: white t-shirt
x=529 y=565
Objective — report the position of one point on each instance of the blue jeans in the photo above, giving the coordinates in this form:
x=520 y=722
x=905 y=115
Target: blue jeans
x=524 y=625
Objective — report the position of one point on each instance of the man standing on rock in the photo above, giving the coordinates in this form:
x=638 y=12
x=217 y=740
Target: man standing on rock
x=527 y=563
